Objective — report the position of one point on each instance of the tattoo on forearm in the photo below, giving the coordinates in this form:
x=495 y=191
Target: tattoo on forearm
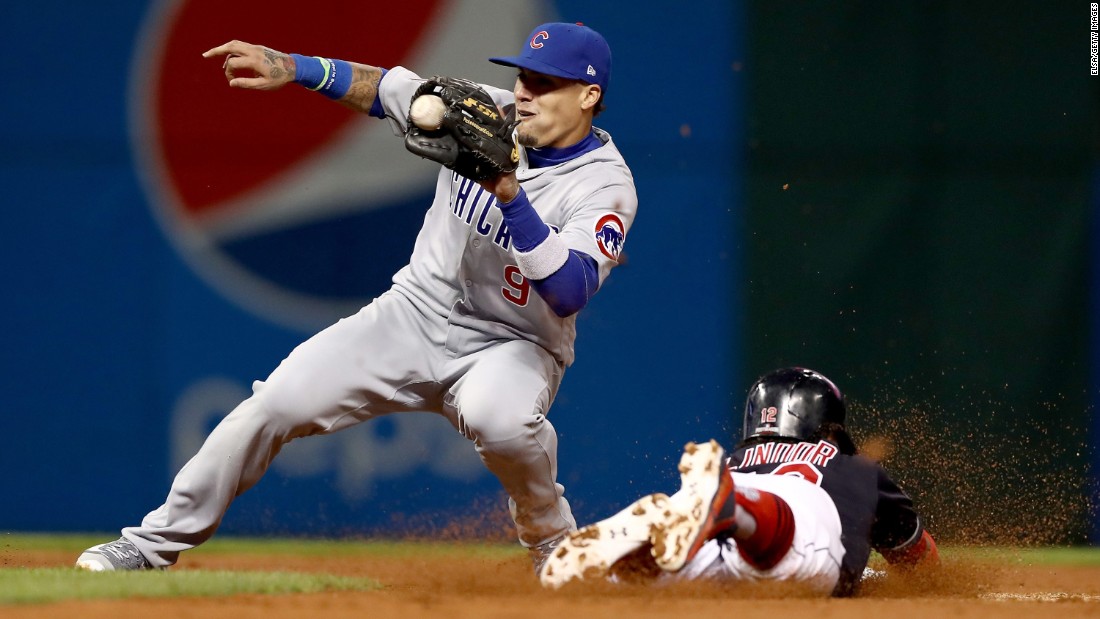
x=364 y=87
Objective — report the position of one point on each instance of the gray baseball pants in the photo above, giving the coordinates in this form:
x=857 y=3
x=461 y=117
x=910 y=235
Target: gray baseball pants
x=390 y=357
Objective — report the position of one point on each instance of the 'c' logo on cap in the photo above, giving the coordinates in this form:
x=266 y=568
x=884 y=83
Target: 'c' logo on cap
x=535 y=40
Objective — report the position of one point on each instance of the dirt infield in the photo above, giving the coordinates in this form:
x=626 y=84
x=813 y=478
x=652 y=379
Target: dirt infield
x=460 y=587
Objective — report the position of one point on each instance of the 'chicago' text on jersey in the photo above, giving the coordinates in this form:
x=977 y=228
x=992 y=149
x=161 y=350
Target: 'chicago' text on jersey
x=472 y=204
x=819 y=453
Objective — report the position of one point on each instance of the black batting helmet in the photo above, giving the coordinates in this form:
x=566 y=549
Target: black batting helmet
x=792 y=403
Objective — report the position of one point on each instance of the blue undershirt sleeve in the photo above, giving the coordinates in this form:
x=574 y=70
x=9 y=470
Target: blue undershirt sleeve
x=570 y=287
x=566 y=290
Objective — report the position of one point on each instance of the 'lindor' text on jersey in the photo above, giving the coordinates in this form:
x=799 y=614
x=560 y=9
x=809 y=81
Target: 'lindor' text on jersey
x=818 y=453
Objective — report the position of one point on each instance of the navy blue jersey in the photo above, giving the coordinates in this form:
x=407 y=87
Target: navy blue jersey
x=874 y=511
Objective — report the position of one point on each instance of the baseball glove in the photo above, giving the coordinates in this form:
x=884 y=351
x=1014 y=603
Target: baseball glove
x=474 y=139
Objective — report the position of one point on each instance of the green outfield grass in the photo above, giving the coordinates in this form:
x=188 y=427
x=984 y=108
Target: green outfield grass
x=1083 y=555
x=21 y=585
x=28 y=586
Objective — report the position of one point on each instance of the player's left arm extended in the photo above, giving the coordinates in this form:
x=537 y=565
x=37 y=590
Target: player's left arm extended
x=919 y=552
x=898 y=533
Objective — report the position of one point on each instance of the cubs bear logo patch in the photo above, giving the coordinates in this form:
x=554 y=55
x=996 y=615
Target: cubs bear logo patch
x=610 y=235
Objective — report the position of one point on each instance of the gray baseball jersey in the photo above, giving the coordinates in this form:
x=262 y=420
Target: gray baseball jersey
x=461 y=333
x=462 y=265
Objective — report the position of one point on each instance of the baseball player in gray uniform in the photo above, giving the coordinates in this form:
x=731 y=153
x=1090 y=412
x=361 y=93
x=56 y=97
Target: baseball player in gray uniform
x=478 y=327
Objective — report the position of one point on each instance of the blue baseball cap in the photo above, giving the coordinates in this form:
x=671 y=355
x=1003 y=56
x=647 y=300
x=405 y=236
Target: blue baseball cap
x=572 y=51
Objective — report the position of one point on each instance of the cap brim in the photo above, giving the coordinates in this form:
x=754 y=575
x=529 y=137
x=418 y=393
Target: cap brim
x=538 y=67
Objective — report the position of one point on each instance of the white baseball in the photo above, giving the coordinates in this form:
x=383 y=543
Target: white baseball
x=427 y=111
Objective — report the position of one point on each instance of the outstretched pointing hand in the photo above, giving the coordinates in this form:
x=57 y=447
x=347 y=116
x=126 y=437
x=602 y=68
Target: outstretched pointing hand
x=263 y=68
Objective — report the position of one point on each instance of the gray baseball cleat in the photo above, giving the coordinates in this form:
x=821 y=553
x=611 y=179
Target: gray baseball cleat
x=693 y=514
x=592 y=551
x=120 y=554
x=539 y=554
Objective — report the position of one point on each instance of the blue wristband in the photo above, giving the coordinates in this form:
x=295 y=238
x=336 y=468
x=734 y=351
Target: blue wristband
x=527 y=228
x=327 y=76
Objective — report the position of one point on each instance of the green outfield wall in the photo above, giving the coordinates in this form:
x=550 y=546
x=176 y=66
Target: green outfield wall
x=918 y=228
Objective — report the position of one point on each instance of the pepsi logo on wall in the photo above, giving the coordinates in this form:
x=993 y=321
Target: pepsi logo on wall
x=289 y=205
